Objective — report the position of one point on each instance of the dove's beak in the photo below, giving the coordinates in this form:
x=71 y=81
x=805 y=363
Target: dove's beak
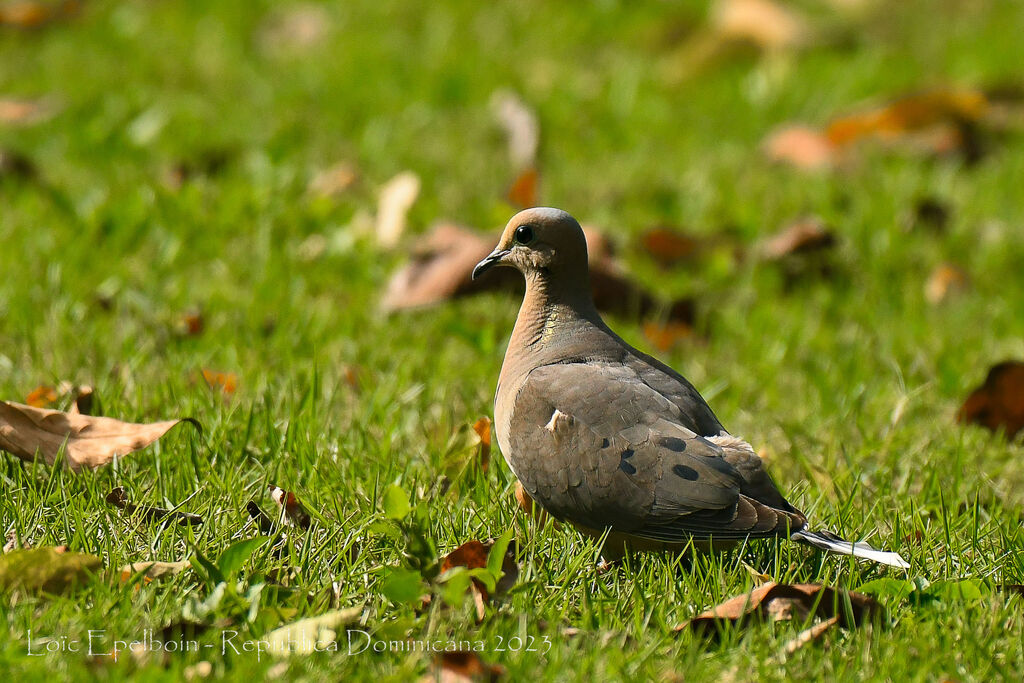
x=493 y=259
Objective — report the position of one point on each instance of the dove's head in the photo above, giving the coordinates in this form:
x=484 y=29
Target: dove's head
x=541 y=242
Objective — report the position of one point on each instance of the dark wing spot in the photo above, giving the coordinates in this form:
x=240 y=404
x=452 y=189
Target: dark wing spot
x=626 y=453
x=685 y=472
x=605 y=443
x=673 y=443
x=627 y=467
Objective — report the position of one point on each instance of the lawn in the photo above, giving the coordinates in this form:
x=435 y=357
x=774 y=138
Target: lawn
x=166 y=180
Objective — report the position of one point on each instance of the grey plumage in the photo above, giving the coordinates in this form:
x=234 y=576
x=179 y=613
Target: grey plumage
x=608 y=438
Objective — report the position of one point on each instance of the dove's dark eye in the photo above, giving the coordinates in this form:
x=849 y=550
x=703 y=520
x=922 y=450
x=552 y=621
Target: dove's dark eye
x=523 y=234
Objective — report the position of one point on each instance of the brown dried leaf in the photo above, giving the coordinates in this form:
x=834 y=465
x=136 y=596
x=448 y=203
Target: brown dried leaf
x=908 y=114
x=473 y=555
x=334 y=180
x=521 y=128
x=784 y=601
x=91 y=441
x=668 y=247
x=190 y=324
x=801 y=237
x=152 y=570
x=523 y=191
x=999 y=402
x=529 y=506
x=801 y=146
x=482 y=427
x=463 y=666
x=396 y=198
x=291 y=509
x=27 y=14
x=118 y=498
x=761 y=22
x=24 y=112
x=945 y=281
x=667 y=335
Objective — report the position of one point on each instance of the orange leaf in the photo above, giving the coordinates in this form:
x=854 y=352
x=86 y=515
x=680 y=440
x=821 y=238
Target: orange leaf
x=801 y=146
x=665 y=336
x=225 y=382
x=668 y=247
x=473 y=555
x=41 y=397
x=523 y=192
x=34 y=13
x=482 y=427
x=945 y=281
x=464 y=666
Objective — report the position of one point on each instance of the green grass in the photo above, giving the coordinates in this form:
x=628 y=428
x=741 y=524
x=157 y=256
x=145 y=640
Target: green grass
x=850 y=383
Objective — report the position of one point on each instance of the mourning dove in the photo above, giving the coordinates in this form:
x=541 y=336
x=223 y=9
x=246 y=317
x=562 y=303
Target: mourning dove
x=610 y=439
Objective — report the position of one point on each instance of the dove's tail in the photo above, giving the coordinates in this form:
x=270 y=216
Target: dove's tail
x=831 y=542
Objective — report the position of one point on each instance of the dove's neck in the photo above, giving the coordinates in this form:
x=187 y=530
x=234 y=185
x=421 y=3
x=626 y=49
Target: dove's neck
x=554 y=324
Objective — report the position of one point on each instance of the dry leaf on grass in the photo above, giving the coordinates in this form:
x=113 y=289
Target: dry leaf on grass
x=482 y=427
x=45 y=396
x=529 y=506
x=292 y=511
x=462 y=666
x=24 y=112
x=91 y=441
x=520 y=125
x=152 y=569
x=36 y=13
x=999 y=402
x=802 y=146
x=46 y=570
x=665 y=336
x=334 y=180
x=764 y=23
x=118 y=498
x=668 y=247
x=945 y=281
x=224 y=382
x=778 y=601
x=14 y=164
x=804 y=236
x=940 y=121
x=522 y=193
x=396 y=198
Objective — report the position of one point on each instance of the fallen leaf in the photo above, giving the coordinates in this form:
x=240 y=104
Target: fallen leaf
x=523 y=191
x=474 y=555
x=314 y=634
x=334 y=180
x=800 y=237
x=801 y=146
x=945 y=281
x=91 y=441
x=291 y=509
x=999 y=401
x=482 y=427
x=907 y=114
x=787 y=601
x=41 y=397
x=223 y=382
x=153 y=569
x=665 y=336
x=36 y=13
x=118 y=498
x=762 y=22
x=295 y=29
x=396 y=198
x=521 y=128
x=46 y=570
x=190 y=324
x=23 y=112
x=668 y=247
x=528 y=505
x=16 y=165
x=463 y=666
